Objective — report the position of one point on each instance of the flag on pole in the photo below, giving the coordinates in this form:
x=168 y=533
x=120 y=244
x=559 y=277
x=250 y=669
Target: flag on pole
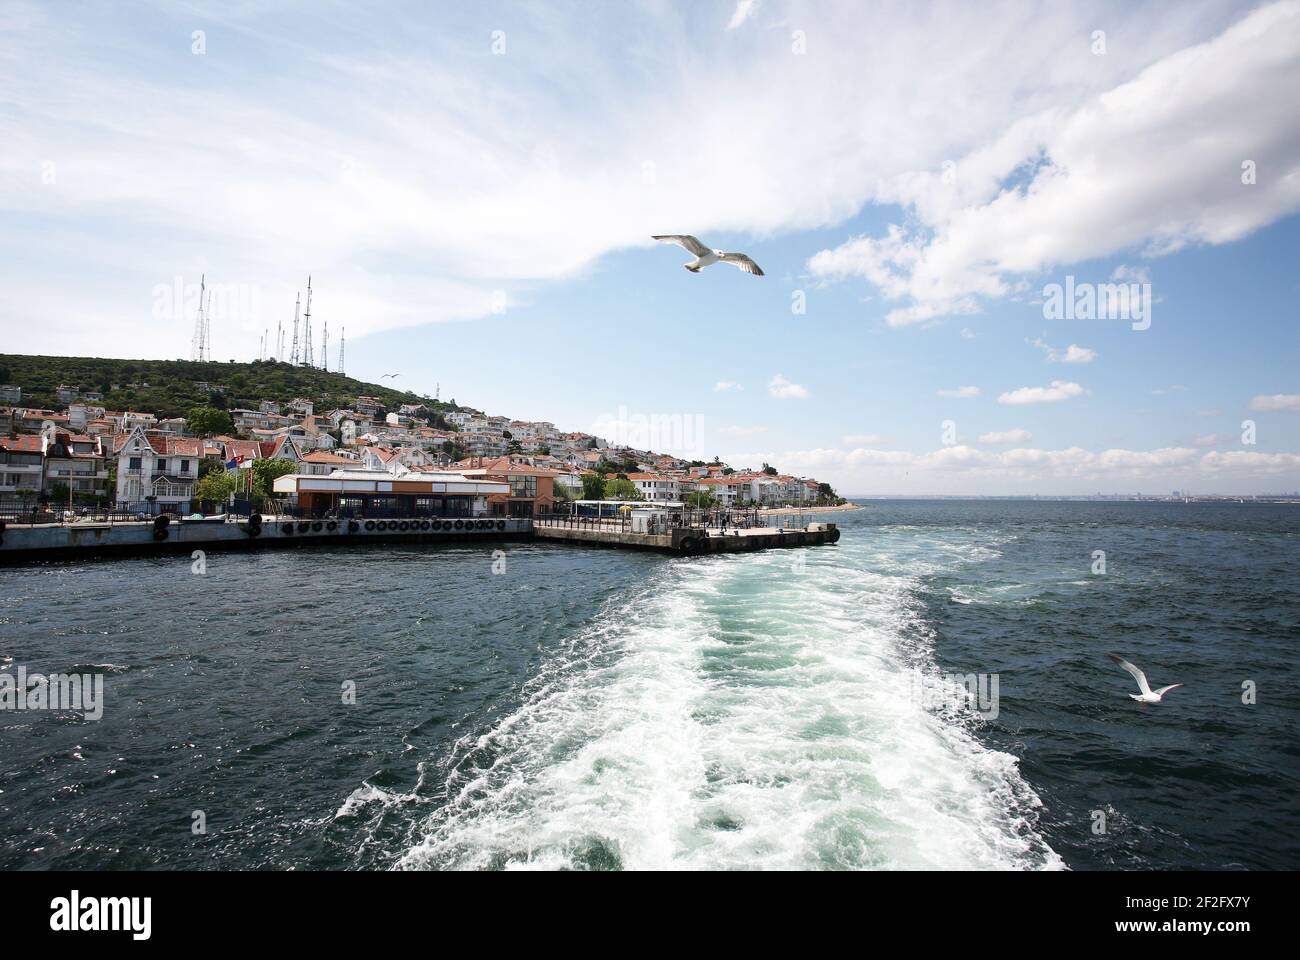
x=234 y=463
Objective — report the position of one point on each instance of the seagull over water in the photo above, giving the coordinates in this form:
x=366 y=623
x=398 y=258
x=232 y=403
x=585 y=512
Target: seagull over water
x=1147 y=695
x=704 y=256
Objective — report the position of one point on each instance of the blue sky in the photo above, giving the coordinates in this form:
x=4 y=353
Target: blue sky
x=473 y=193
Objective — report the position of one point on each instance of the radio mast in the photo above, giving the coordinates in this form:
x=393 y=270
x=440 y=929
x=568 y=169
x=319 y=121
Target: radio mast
x=196 y=347
x=293 y=357
x=207 y=330
x=306 y=335
x=343 y=339
x=325 y=348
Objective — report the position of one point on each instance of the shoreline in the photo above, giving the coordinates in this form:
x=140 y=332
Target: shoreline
x=795 y=511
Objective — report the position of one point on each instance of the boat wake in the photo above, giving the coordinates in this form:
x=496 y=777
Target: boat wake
x=750 y=711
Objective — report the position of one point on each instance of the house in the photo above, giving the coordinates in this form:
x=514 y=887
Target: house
x=282 y=447
x=65 y=394
x=155 y=467
x=11 y=393
x=80 y=414
x=22 y=465
x=655 y=487
x=369 y=406
x=320 y=463
x=364 y=493
x=76 y=461
x=302 y=405
x=30 y=419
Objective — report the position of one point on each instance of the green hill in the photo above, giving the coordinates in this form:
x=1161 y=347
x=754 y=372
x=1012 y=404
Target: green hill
x=170 y=388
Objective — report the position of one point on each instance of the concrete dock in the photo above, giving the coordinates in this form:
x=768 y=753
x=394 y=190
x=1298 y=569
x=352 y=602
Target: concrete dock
x=689 y=540
x=163 y=535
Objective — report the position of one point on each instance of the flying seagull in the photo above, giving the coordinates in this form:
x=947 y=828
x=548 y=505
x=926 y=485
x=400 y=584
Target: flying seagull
x=1147 y=695
x=387 y=375
x=704 y=256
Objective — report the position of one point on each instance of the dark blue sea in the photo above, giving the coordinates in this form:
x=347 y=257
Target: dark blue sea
x=411 y=708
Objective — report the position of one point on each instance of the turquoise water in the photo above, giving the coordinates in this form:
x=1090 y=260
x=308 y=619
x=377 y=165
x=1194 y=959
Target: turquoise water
x=601 y=709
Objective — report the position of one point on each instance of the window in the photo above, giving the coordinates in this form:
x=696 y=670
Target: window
x=523 y=486
x=185 y=466
x=133 y=463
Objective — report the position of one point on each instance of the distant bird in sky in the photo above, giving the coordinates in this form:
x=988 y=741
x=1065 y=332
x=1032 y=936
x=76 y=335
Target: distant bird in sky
x=704 y=256
x=387 y=375
x=1147 y=695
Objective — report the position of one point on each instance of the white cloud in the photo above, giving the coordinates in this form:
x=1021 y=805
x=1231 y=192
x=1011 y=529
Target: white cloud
x=783 y=389
x=960 y=393
x=1007 y=436
x=726 y=386
x=1127 y=170
x=962 y=469
x=1072 y=354
x=1059 y=390
x=1276 y=401
x=744 y=10
x=1077 y=354
x=967 y=333
x=283 y=151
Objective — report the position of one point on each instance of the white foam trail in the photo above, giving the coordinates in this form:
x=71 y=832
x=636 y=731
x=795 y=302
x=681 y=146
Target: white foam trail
x=738 y=714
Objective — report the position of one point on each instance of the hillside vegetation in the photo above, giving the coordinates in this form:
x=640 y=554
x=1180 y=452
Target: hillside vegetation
x=171 y=388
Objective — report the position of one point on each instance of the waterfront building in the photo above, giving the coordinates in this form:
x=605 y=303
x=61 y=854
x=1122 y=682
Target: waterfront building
x=531 y=489
x=155 y=465
x=76 y=461
x=22 y=465
x=655 y=487
x=377 y=494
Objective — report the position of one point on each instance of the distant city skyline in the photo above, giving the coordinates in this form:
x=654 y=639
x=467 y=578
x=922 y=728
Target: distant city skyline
x=1049 y=251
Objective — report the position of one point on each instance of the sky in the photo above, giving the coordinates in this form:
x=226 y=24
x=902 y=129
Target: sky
x=937 y=193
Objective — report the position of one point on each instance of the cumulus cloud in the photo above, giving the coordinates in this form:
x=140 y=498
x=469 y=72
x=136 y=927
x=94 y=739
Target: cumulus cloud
x=1128 y=170
x=1276 y=401
x=1007 y=436
x=1059 y=390
x=960 y=393
x=783 y=389
x=964 y=469
x=1071 y=354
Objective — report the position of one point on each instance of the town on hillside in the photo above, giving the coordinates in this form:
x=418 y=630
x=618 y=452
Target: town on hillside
x=84 y=458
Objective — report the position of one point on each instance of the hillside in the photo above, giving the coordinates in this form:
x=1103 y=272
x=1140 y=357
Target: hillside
x=170 y=388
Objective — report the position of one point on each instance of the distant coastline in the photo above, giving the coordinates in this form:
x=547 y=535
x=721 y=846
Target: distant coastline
x=787 y=511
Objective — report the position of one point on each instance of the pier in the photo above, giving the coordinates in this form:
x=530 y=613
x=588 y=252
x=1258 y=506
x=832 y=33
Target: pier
x=165 y=534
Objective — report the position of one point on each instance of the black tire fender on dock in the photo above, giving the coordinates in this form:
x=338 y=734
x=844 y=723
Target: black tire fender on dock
x=689 y=545
x=353 y=526
x=424 y=524
x=834 y=537
x=331 y=526
x=316 y=527
x=256 y=518
x=370 y=524
x=304 y=526
x=459 y=524
x=160 y=531
x=501 y=524
x=403 y=526
x=286 y=529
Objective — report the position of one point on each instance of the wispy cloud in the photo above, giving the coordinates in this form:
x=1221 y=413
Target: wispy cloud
x=1276 y=401
x=960 y=393
x=726 y=386
x=1007 y=436
x=744 y=10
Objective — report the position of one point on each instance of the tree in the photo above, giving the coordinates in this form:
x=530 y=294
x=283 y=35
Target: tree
x=593 y=486
x=207 y=421
x=700 y=498
x=208 y=465
x=266 y=472
x=769 y=470
x=215 y=485
x=621 y=488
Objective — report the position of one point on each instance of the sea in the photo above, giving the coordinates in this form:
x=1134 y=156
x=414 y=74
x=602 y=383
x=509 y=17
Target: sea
x=934 y=692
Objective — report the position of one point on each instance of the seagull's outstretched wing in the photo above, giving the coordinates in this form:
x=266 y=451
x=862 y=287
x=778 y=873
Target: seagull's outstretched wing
x=685 y=241
x=742 y=261
x=1138 y=675
x=1163 y=690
